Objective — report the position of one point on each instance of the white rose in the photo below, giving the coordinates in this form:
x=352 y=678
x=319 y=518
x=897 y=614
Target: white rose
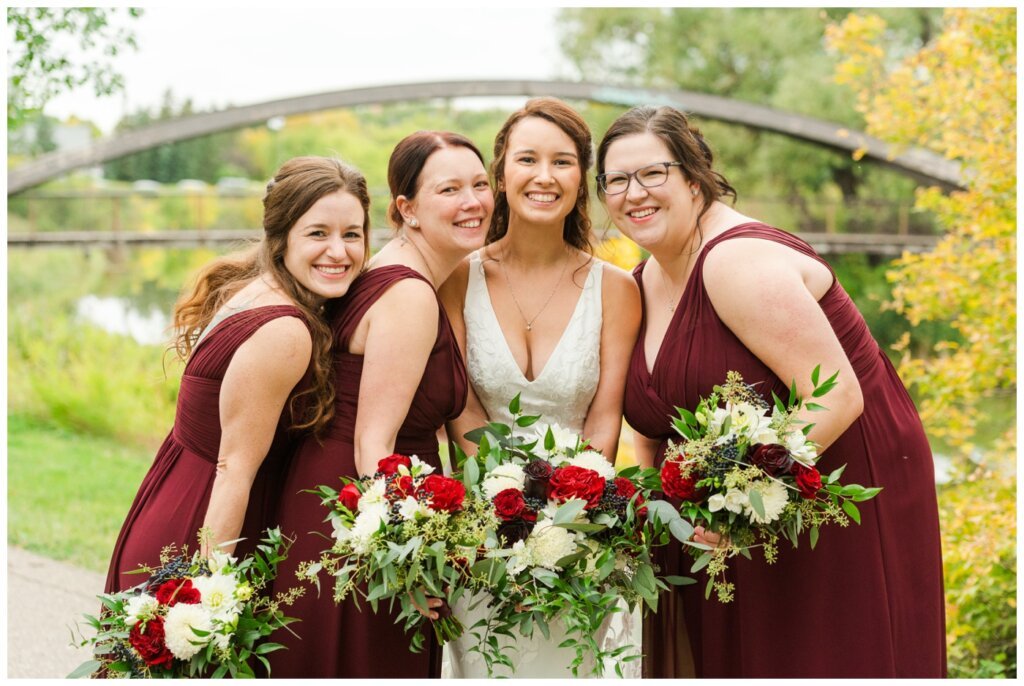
x=773 y=497
x=178 y=624
x=218 y=560
x=503 y=477
x=736 y=500
x=140 y=607
x=803 y=451
x=593 y=460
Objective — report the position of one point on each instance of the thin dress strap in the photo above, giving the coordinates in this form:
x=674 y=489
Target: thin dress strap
x=367 y=289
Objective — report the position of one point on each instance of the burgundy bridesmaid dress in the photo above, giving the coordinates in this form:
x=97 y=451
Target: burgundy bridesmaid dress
x=346 y=641
x=171 y=503
x=868 y=600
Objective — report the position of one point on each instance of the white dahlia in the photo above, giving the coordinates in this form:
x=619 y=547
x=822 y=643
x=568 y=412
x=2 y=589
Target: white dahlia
x=773 y=497
x=503 y=477
x=366 y=526
x=217 y=593
x=178 y=624
x=549 y=543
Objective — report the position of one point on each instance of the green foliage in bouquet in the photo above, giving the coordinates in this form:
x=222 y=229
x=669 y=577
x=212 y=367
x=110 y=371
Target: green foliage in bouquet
x=574 y=539
x=746 y=471
x=195 y=617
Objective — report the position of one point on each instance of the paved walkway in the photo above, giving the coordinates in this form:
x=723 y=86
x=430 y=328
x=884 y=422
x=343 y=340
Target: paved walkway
x=44 y=598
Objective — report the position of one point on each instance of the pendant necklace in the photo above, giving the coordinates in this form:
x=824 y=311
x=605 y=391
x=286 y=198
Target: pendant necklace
x=529 y=322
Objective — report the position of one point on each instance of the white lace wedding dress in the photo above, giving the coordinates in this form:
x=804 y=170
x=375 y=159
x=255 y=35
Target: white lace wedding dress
x=562 y=393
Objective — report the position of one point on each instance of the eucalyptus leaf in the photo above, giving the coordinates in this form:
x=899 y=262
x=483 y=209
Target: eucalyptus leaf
x=700 y=563
x=84 y=670
x=568 y=511
x=756 y=502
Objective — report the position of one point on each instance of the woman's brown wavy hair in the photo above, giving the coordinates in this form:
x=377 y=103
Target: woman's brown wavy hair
x=576 y=229
x=296 y=187
x=683 y=140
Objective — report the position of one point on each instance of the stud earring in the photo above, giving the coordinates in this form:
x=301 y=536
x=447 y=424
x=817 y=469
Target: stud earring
x=413 y=223
x=693 y=192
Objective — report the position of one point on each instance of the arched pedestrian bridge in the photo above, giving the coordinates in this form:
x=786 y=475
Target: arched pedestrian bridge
x=923 y=165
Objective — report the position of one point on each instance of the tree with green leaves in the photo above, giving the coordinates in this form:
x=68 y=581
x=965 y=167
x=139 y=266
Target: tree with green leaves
x=39 y=66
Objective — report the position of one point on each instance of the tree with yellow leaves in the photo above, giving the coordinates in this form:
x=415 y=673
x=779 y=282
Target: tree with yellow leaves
x=957 y=95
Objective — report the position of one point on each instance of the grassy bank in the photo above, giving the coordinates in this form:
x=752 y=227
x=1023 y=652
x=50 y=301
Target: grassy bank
x=67 y=494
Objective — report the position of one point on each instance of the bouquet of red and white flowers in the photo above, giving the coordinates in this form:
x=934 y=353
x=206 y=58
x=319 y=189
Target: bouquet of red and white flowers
x=402 y=535
x=195 y=616
x=748 y=472
x=574 y=538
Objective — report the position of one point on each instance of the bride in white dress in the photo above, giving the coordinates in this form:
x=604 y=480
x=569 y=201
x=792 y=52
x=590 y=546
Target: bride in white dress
x=541 y=317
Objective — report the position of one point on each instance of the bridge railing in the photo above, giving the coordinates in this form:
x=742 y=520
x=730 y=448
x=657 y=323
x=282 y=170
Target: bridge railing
x=169 y=209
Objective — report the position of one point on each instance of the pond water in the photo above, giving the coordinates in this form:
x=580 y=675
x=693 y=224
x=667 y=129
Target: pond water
x=122 y=316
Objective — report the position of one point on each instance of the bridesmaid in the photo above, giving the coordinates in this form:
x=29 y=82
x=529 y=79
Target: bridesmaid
x=721 y=292
x=250 y=330
x=400 y=378
x=543 y=318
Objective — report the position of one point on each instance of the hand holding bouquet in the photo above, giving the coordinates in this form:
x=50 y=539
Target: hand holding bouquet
x=401 y=535
x=748 y=473
x=194 y=617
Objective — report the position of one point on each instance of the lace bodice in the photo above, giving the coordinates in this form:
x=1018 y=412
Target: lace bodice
x=565 y=387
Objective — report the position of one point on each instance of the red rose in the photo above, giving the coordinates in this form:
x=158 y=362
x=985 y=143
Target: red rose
x=509 y=504
x=624 y=487
x=808 y=480
x=442 y=493
x=675 y=485
x=771 y=458
x=148 y=641
x=576 y=482
x=177 y=591
x=389 y=465
x=349 y=497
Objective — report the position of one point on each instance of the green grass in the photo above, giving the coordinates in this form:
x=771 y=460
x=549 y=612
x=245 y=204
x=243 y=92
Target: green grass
x=68 y=494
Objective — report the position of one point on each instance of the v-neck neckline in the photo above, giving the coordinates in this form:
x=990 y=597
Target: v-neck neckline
x=698 y=266
x=561 y=338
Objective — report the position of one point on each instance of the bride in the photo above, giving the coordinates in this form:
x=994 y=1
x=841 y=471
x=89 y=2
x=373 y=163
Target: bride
x=542 y=317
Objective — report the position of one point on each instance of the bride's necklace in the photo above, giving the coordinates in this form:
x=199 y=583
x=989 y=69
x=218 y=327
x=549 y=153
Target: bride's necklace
x=529 y=321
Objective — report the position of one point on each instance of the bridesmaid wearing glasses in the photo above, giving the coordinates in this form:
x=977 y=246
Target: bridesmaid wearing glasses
x=723 y=292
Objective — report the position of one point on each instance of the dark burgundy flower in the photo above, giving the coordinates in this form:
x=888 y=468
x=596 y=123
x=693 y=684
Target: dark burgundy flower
x=177 y=591
x=148 y=641
x=509 y=504
x=808 y=480
x=515 y=530
x=576 y=482
x=442 y=493
x=675 y=485
x=389 y=465
x=538 y=474
x=772 y=458
x=349 y=497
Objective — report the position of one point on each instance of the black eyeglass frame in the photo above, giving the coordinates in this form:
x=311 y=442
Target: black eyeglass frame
x=634 y=175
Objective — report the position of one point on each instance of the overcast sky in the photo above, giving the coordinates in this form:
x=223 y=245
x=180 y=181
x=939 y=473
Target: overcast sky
x=219 y=56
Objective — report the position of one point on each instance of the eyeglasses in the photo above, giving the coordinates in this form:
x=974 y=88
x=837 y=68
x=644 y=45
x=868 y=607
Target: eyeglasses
x=651 y=176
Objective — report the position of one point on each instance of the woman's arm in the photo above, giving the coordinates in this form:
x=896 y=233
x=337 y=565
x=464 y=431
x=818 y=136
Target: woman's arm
x=619 y=327
x=453 y=297
x=771 y=305
x=395 y=338
x=646 y=449
x=262 y=374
